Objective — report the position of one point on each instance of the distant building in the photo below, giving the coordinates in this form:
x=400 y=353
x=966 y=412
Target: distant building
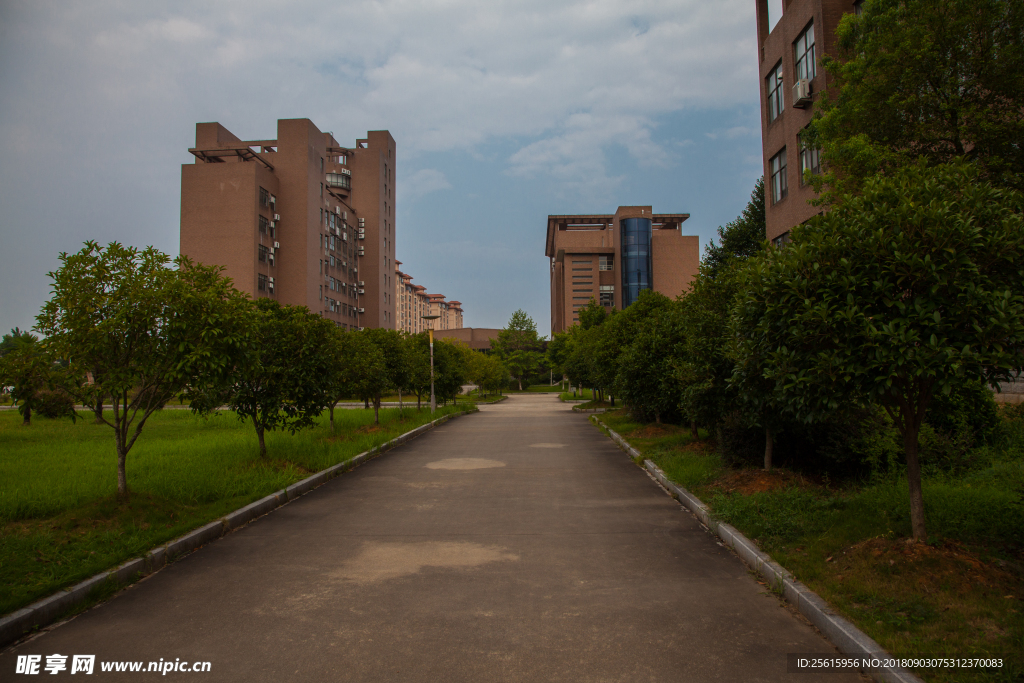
x=478 y=338
x=791 y=79
x=413 y=302
x=299 y=218
x=613 y=257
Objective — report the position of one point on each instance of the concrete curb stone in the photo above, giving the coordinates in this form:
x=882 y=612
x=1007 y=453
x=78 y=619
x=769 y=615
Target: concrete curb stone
x=48 y=609
x=842 y=633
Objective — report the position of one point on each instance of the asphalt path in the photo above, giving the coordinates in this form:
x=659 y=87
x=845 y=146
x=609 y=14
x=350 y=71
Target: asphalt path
x=515 y=544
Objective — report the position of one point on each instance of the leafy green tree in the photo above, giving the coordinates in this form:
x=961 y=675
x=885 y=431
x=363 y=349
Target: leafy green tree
x=25 y=367
x=364 y=368
x=148 y=332
x=449 y=371
x=897 y=295
x=645 y=376
x=518 y=346
x=592 y=315
x=704 y=368
x=943 y=79
x=490 y=373
x=560 y=348
x=284 y=381
x=397 y=367
x=738 y=240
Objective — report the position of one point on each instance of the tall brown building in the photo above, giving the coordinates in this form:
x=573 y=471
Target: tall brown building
x=612 y=258
x=298 y=218
x=791 y=80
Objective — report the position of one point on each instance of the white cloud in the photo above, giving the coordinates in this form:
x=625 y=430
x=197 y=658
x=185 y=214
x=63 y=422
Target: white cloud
x=422 y=182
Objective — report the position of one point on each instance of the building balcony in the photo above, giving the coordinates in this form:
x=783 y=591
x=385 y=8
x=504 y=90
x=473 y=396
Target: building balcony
x=341 y=181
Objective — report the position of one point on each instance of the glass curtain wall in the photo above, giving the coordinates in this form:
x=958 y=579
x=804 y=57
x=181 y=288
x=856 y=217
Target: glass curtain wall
x=636 y=258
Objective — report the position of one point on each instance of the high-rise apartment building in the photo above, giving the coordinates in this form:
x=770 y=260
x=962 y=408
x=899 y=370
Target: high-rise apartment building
x=299 y=218
x=613 y=257
x=791 y=80
x=413 y=303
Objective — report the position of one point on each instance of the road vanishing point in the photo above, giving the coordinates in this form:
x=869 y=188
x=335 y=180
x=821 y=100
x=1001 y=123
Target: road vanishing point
x=513 y=544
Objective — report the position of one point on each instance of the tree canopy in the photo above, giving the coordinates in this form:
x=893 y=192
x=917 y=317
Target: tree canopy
x=897 y=294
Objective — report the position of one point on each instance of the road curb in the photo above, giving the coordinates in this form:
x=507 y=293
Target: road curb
x=842 y=633
x=47 y=610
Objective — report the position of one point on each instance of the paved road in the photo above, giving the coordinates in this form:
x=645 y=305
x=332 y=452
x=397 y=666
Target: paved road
x=516 y=544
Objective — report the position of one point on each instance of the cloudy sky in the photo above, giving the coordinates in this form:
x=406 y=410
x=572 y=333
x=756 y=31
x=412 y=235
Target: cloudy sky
x=503 y=112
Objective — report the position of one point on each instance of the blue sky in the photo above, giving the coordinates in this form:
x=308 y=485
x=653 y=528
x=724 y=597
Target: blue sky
x=503 y=112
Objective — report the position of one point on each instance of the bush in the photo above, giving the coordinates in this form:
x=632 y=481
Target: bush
x=968 y=411
x=54 y=404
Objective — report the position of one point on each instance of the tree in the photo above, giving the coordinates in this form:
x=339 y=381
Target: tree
x=147 y=331
x=942 y=79
x=27 y=368
x=397 y=370
x=897 y=295
x=449 y=370
x=704 y=368
x=518 y=346
x=739 y=239
x=647 y=383
x=284 y=381
x=364 y=367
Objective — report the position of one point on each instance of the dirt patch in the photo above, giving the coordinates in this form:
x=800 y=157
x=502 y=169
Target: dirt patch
x=747 y=482
x=369 y=429
x=949 y=564
x=651 y=431
x=699 y=447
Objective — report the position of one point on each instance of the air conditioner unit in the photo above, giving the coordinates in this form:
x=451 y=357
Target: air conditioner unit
x=360 y=291
x=362 y=236
x=337 y=210
x=271 y=280
x=344 y=237
x=361 y=310
x=277 y=245
x=360 y=329
x=345 y=171
x=273 y=199
x=362 y=222
x=802 y=93
x=271 y=259
x=362 y=230
x=273 y=224
x=277 y=216
x=362 y=284
x=344 y=215
x=362 y=252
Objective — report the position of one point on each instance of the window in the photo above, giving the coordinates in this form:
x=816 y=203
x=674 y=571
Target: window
x=607 y=261
x=782 y=240
x=264 y=224
x=264 y=197
x=263 y=254
x=583 y=290
x=777 y=169
x=261 y=282
x=858 y=7
x=587 y=261
x=810 y=160
x=774 y=90
x=806 y=66
x=607 y=295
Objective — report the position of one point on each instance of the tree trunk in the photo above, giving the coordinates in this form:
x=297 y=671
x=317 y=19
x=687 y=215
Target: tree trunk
x=400 y=414
x=332 y=417
x=657 y=418
x=376 y=411
x=520 y=384
x=613 y=401
x=122 y=473
x=419 y=402
x=97 y=410
x=914 y=483
x=769 y=448
x=259 y=435
x=693 y=430
x=366 y=404
x=26 y=413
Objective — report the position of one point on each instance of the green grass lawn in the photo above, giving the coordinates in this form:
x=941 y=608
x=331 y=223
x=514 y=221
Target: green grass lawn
x=60 y=518
x=584 y=395
x=959 y=595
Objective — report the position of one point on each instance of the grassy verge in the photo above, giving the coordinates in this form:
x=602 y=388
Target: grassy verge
x=958 y=595
x=585 y=395
x=61 y=521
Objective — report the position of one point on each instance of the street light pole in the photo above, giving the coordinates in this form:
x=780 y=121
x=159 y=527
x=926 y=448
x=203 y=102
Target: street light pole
x=430 y=331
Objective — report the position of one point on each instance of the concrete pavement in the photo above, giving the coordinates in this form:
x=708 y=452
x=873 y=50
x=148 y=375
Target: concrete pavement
x=516 y=544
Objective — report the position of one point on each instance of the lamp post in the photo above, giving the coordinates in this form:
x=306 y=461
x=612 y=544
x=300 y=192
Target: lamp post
x=430 y=331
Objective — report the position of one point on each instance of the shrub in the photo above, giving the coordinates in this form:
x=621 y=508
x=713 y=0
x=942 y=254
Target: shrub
x=54 y=404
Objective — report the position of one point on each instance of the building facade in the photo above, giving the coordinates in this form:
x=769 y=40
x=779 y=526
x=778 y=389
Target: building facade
x=298 y=218
x=792 y=79
x=613 y=257
x=413 y=303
